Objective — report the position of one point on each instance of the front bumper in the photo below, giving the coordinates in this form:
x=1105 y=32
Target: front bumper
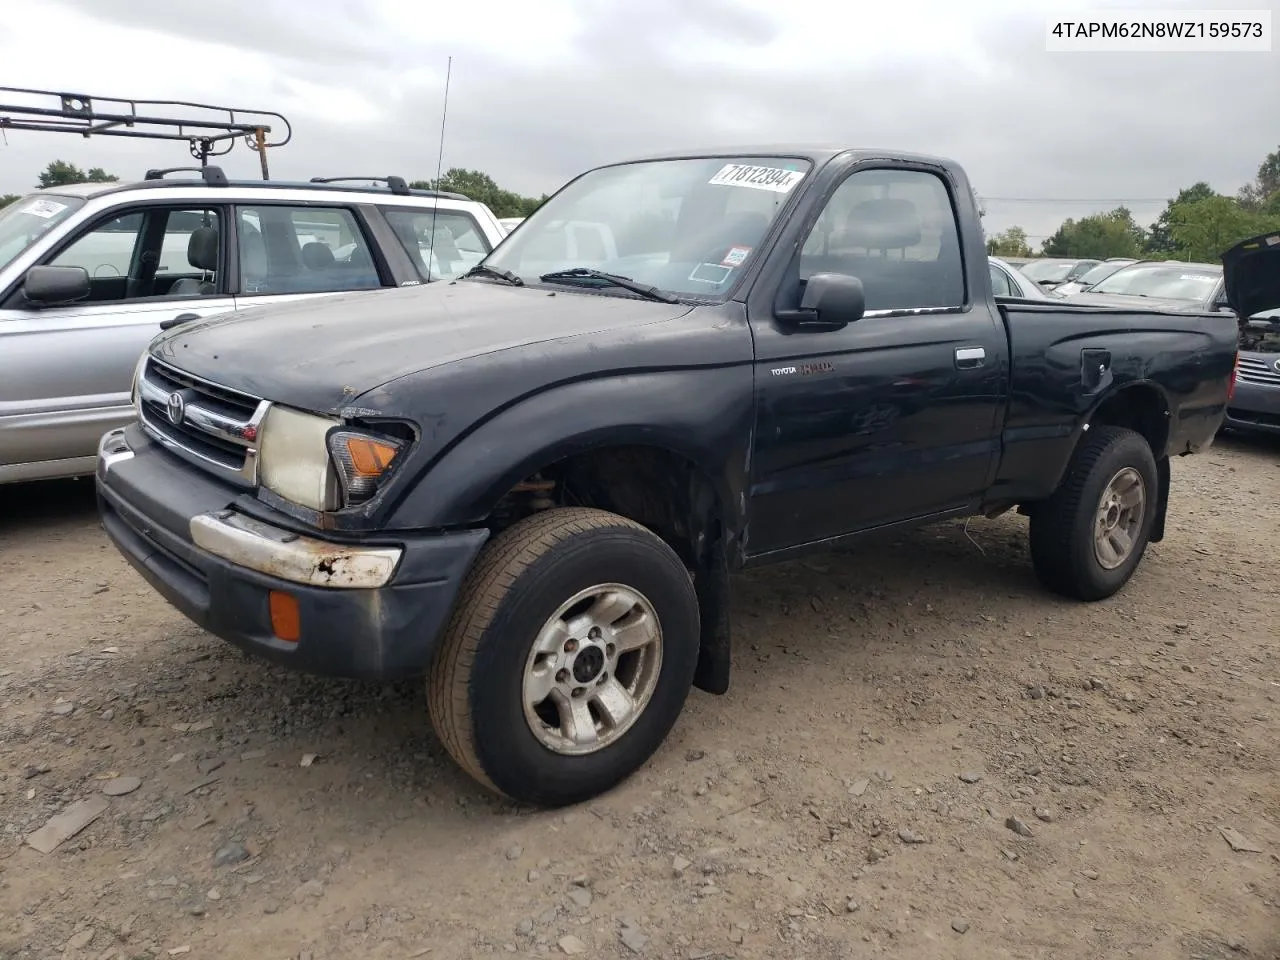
x=1254 y=408
x=363 y=610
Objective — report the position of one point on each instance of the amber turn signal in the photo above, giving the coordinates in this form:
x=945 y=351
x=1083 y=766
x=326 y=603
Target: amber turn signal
x=286 y=621
x=369 y=457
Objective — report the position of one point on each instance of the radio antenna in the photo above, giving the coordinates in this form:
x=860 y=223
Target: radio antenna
x=435 y=200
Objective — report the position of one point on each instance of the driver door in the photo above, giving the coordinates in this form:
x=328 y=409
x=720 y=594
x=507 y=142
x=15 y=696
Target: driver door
x=66 y=371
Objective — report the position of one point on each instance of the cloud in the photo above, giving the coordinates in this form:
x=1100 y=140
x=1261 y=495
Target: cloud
x=540 y=92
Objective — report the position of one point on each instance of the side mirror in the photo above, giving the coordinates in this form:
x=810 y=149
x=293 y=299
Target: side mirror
x=830 y=301
x=50 y=286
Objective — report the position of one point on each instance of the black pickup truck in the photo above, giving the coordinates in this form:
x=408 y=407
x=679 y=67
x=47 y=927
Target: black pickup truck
x=531 y=484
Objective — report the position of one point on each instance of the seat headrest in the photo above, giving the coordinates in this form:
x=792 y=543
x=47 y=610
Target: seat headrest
x=202 y=248
x=886 y=223
x=317 y=255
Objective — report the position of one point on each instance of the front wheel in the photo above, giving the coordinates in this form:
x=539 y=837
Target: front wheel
x=568 y=659
x=1090 y=535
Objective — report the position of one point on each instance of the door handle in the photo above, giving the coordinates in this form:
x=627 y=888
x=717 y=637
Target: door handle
x=180 y=318
x=969 y=357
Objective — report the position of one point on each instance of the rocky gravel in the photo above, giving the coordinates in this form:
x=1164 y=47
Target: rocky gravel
x=923 y=755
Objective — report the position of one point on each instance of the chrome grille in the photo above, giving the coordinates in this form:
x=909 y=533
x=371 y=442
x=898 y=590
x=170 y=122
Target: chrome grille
x=207 y=424
x=1253 y=370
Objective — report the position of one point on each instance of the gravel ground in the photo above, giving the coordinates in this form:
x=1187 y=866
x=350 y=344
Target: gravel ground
x=923 y=755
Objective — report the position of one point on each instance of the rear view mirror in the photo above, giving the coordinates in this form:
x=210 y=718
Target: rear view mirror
x=49 y=286
x=830 y=301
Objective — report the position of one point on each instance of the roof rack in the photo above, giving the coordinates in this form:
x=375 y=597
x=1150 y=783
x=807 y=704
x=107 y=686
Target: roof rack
x=396 y=185
x=208 y=136
x=213 y=176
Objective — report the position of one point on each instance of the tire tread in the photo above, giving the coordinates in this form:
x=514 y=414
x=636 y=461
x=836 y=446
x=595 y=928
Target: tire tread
x=501 y=563
x=1055 y=550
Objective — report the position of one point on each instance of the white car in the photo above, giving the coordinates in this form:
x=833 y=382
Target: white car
x=1007 y=281
x=90 y=273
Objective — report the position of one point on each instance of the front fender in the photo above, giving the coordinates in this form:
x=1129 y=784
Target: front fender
x=704 y=415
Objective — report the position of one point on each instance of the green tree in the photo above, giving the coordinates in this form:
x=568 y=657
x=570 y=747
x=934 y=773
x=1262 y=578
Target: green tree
x=1097 y=236
x=1258 y=195
x=1159 y=240
x=60 y=173
x=1204 y=229
x=1009 y=243
x=7 y=199
x=480 y=187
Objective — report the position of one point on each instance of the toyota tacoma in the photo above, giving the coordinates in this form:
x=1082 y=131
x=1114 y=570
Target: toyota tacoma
x=532 y=484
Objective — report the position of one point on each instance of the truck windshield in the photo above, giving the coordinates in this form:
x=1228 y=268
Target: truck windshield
x=1168 y=281
x=687 y=227
x=25 y=221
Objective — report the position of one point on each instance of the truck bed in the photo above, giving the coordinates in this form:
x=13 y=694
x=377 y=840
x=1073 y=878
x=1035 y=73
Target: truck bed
x=1066 y=357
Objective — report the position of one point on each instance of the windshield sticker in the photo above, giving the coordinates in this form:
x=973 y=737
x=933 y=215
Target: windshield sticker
x=717 y=273
x=1272 y=241
x=44 y=208
x=757 y=178
x=735 y=256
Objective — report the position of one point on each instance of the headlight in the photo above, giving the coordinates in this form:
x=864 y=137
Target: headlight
x=294 y=460
x=321 y=463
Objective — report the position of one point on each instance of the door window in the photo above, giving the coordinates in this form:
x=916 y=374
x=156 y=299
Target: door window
x=895 y=230
x=442 y=244
x=149 y=252
x=291 y=250
x=1001 y=282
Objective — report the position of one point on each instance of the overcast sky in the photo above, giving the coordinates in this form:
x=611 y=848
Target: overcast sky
x=542 y=90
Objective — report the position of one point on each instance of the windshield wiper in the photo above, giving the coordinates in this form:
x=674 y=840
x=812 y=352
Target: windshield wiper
x=480 y=270
x=612 y=279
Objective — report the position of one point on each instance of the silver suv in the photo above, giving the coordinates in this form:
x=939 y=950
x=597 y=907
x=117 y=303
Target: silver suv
x=90 y=273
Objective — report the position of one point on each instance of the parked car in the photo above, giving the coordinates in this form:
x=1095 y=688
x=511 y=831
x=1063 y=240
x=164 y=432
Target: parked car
x=90 y=273
x=1050 y=272
x=532 y=484
x=1087 y=279
x=1159 y=284
x=1252 y=277
x=510 y=223
x=1006 y=281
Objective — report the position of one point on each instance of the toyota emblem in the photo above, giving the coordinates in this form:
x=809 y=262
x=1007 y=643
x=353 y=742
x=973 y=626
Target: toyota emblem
x=175 y=408
x=1277 y=366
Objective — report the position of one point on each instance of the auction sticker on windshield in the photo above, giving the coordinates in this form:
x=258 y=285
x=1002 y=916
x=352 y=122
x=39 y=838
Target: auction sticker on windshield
x=735 y=256
x=757 y=178
x=45 y=208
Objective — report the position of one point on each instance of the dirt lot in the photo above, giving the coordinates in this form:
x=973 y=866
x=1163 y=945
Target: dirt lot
x=891 y=709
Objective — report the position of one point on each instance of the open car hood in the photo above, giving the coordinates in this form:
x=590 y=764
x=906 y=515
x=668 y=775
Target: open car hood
x=1251 y=272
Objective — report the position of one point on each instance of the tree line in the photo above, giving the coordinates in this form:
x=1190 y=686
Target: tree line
x=473 y=183
x=1199 y=224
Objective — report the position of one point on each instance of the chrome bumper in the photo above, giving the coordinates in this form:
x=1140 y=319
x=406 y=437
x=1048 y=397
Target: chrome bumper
x=269 y=550
x=274 y=552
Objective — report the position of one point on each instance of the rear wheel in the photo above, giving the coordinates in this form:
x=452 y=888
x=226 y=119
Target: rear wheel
x=568 y=659
x=1088 y=538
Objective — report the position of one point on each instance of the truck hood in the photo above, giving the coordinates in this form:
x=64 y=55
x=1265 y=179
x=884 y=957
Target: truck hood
x=1251 y=271
x=319 y=354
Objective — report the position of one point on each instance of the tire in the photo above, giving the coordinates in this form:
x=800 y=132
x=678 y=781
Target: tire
x=1063 y=527
x=477 y=683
